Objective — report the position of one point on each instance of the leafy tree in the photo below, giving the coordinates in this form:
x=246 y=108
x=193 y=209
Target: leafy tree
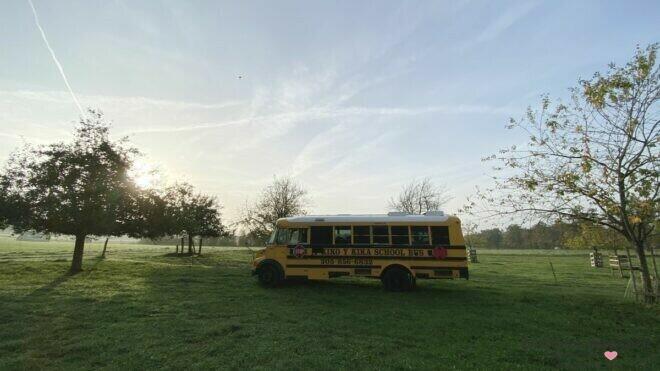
x=155 y=218
x=418 y=197
x=594 y=159
x=590 y=235
x=491 y=238
x=513 y=237
x=282 y=198
x=80 y=188
x=5 y=208
x=191 y=213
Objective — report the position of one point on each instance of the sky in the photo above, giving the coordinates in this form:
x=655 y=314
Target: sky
x=353 y=99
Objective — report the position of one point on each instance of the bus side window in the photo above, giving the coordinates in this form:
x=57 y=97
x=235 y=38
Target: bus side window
x=303 y=235
x=298 y=235
x=400 y=235
x=440 y=235
x=381 y=234
x=420 y=235
x=361 y=235
x=343 y=235
x=321 y=235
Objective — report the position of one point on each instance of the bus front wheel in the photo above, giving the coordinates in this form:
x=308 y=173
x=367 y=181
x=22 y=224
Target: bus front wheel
x=269 y=275
x=398 y=279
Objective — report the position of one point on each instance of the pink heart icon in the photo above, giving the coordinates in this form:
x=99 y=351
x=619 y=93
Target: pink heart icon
x=611 y=355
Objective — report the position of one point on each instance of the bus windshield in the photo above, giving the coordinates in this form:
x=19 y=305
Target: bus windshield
x=288 y=236
x=271 y=240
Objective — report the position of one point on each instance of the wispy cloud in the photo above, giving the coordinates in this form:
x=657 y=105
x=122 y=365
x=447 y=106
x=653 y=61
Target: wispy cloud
x=134 y=101
x=57 y=62
x=506 y=20
x=9 y=135
x=320 y=113
x=343 y=147
x=501 y=23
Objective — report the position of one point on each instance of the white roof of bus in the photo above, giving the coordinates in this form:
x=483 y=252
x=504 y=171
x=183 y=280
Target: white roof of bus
x=369 y=218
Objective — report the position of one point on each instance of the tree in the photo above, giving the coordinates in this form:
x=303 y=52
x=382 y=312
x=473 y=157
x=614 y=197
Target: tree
x=282 y=198
x=207 y=216
x=513 y=237
x=191 y=213
x=5 y=208
x=155 y=217
x=487 y=238
x=80 y=188
x=493 y=238
x=418 y=197
x=470 y=229
x=590 y=235
x=594 y=159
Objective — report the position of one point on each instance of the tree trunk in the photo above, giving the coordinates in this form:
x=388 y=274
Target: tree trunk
x=76 y=263
x=200 y=246
x=105 y=246
x=647 y=286
x=190 y=244
x=182 y=241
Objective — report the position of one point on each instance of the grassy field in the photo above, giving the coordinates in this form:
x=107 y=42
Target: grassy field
x=141 y=309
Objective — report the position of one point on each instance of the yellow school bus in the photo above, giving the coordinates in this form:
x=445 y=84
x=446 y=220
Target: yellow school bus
x=398 y=248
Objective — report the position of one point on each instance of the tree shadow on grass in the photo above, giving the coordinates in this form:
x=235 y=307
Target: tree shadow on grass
x=179 y=255
x=48 y=288
x=42 y=327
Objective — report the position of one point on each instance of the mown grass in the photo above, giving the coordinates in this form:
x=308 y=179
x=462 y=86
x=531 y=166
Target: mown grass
x=141 y=309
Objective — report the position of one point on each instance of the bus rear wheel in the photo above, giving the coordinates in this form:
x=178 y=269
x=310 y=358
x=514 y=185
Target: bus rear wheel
x=398 y=279
x=269 y=275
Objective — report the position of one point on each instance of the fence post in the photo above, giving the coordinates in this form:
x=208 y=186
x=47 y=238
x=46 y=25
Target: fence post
x=618 y=260
x=553 y=270
x=632 y=271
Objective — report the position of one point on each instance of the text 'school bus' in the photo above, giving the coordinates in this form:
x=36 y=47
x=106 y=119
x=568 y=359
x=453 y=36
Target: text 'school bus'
x=398 y=248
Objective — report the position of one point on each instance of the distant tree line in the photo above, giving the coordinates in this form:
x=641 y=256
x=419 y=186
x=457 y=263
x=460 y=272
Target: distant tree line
x=547 y=236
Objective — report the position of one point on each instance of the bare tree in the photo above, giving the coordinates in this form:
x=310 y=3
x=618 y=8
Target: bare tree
x=470 y=229
x=421 y=196
x=594 y=159
x=282 y=198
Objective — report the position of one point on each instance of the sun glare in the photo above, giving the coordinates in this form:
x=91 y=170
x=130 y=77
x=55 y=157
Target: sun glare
x=144 y=174
x=144 y=181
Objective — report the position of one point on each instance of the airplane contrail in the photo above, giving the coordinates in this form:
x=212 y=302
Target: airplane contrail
x=52 y=53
